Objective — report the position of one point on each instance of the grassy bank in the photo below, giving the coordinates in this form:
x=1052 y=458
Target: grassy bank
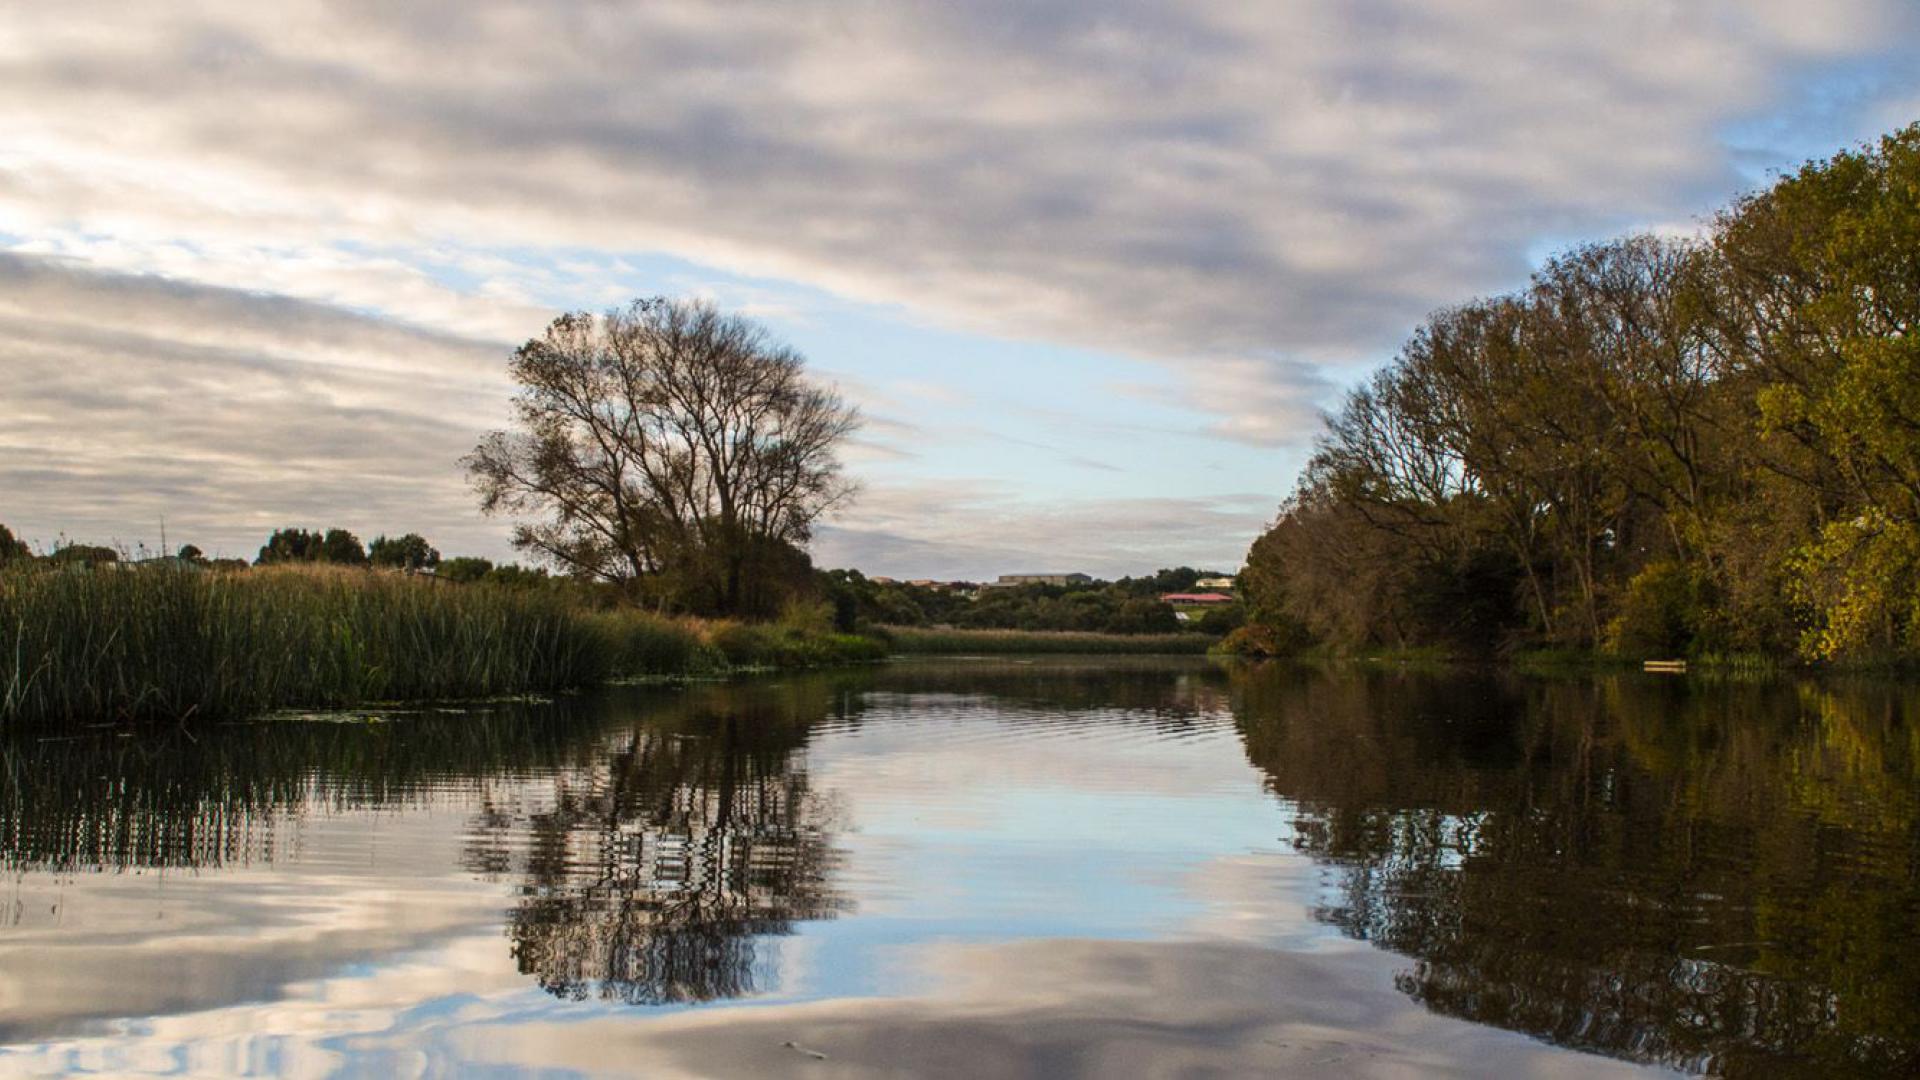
x=922 y=641
x=1565 y=660
x=79 y=646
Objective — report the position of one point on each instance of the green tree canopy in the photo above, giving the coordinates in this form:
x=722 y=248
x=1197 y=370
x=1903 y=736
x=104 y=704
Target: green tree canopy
x=1659 y=444
x=336 y=546
x=406 y=552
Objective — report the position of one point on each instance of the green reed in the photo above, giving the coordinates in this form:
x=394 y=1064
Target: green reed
x=96 y=645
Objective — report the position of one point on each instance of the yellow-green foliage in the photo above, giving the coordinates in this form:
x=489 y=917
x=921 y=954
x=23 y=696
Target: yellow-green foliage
x=1860 y=585
x=1660 y=614
x=1658 y=446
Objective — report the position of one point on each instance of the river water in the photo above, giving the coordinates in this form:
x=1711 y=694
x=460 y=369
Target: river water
x=985 y=868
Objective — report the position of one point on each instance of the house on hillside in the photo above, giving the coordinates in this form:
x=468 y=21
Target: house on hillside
x=1215 y=584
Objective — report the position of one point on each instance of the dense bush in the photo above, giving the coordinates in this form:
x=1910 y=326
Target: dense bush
x=1661 y=613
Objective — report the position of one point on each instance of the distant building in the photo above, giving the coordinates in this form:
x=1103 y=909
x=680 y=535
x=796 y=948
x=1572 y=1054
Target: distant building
x=1010 y=580
x=1195 y=599
x=1219 y=583
x=881 y=580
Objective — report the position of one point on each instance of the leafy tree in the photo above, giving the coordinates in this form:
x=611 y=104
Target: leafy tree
x=1657 y=445
x=1660 y=614
x=1821 y=296
x=337 y=546
x=407 y=552
x=290 y=546
x=342 y=548
x=189 y=553
x=666 y=445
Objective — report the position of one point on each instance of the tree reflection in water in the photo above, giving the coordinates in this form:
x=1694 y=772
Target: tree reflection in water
x=1714 y=877
x=655 y=834
x=654 y=872
x=1717 y=876
x=107 y=799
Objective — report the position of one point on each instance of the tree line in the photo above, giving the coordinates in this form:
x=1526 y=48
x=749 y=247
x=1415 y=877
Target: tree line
x=1130 y=605
x=294 y=546
x=1659 y=446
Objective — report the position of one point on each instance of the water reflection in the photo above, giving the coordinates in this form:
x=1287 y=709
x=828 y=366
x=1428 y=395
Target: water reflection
x=652 y=837
x=1717 y=877
x=650 y=875
x=227 y=796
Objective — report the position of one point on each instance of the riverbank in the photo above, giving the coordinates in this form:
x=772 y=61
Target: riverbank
x=1551 y=660
x=92 y=646
x=926 y=641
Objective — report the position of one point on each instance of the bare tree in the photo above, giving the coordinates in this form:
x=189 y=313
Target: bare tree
x=665 y=441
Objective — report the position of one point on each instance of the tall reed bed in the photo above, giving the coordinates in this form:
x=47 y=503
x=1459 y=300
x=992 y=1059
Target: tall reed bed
x=80 y=646
x=88 y=645
x=914 y=639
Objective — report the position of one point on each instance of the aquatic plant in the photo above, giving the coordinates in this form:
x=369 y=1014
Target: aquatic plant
x=143 y=643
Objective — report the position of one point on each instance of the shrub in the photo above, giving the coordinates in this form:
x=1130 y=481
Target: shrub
x=645 y=644
x=1661 y=613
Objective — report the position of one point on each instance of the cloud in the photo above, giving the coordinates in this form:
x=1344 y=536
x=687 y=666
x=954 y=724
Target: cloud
x=1053 y=1007
x=1238 y=190
x=978 y=529
x=354 y=206
x=131 y=399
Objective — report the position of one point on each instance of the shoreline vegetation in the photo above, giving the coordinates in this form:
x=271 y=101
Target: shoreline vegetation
x=1661 y=447
x=934 y=641
x=90 y=646
x=110 y=643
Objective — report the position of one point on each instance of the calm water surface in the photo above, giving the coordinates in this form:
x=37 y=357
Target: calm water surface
x=985 y=868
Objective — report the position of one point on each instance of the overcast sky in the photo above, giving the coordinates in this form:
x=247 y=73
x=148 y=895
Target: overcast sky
x=1091 y=270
